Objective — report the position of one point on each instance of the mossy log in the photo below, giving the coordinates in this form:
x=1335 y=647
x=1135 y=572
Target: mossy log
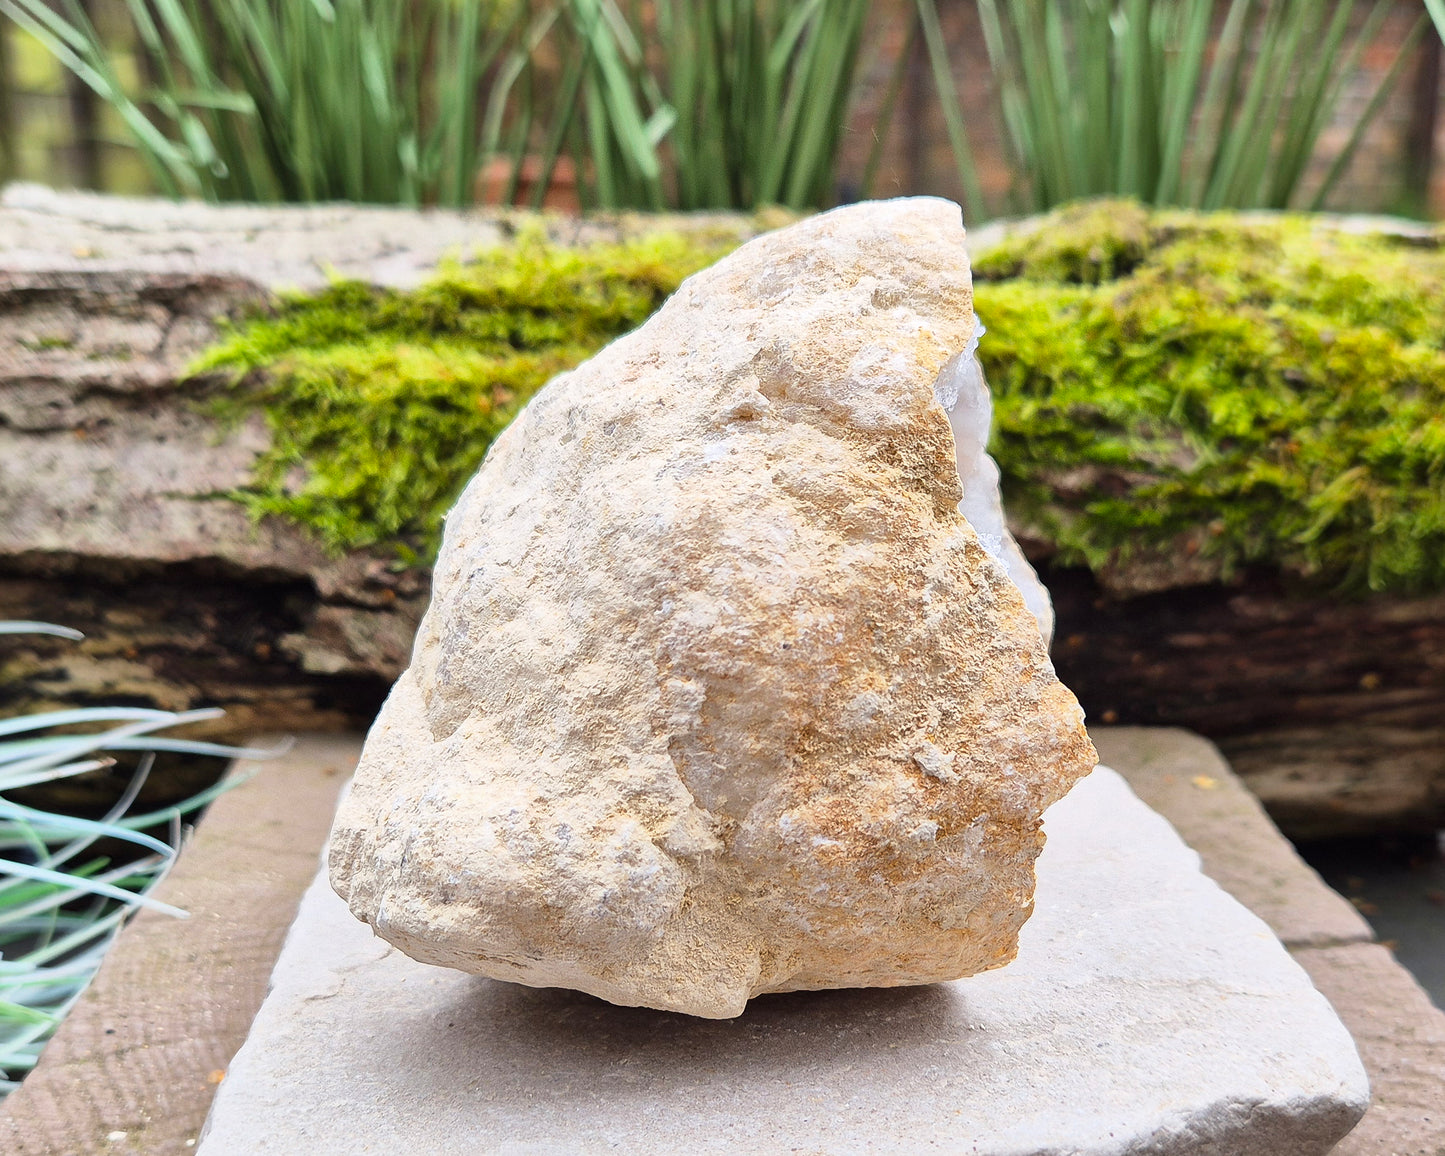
x=1224 y=436
x=1187 y=593
x=119 y=476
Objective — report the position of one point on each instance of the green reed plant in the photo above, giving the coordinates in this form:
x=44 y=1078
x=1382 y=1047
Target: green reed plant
x=1180 y=102
x=600 y=105
x=762 y=91
x=685 y=103
x=690 y=104
x=297 y=100
x=717 y=103
x=65 y=888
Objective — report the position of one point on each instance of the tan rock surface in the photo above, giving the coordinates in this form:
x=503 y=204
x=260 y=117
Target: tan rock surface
x=718 y=693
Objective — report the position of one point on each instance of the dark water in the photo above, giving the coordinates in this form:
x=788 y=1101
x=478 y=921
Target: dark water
x=1399 y=886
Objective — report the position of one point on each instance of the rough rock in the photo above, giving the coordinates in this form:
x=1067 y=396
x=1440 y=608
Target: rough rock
x=1147 y=1012
x=718 y=693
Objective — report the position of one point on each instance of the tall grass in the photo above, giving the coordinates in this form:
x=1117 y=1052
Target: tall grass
x=67 y=884
x=1180 y=102
x=762 y=91
x=577 y=82
x=719 y=103
x=296 y=100
x=701 y=103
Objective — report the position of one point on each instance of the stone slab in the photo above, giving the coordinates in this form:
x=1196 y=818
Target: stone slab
x=1147 y=1012
x=1401 y=1037
x=1185 y=778
x=1399 y=1032
x=135 y=1064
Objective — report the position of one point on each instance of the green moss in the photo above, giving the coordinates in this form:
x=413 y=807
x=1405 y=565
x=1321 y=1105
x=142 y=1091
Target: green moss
x=1280 y=383
x=1266 y=390
x=1098 y=241
x=382 y=404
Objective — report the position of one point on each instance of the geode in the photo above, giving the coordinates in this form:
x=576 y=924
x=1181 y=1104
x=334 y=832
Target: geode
x=719 y=692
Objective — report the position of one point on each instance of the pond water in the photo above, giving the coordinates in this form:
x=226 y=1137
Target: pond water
x=1398 y=883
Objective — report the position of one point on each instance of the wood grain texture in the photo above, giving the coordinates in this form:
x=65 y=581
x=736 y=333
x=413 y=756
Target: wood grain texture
x=143 y=1050
x=1332 y=711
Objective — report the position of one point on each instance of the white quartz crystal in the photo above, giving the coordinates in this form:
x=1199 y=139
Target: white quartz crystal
x=964 y=394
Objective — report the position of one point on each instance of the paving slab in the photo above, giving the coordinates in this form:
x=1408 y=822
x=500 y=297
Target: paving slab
x=1399 y=1032
x=1184 y=777
x=1147 y=1011
x=1401 y=1037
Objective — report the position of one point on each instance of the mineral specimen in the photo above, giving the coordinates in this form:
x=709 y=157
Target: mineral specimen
x=719 y=693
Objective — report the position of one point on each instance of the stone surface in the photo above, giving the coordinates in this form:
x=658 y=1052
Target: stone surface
x=1146 y=1012
x=962 y=392
x=1185 y=779
x=135 y=1064
x=1401 y=1038
x=718 y=694
x=66 y=1111
x=1400 y=1033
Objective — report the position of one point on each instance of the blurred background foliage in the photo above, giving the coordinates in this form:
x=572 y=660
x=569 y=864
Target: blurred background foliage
x=1007 y=105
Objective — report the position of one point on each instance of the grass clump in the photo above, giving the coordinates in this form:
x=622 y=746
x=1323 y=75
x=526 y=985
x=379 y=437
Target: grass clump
x=382 y=403
x=67 y=884
x=1276 y=383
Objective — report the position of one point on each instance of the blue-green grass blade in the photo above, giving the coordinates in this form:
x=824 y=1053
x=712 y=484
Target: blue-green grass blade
x=86 y=886
x=73 y=825
x=80 y=716
x=84 y=744
x=13 y=627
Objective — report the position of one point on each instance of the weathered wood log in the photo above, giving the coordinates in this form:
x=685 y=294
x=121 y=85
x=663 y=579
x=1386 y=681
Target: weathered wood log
x=1333 y=711
x=113 y=478
x=113 y=519
x=114 y=469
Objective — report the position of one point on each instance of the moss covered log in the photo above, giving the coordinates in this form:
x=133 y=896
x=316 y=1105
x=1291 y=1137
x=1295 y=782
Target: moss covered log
x=1247 y=390
x=1216 y=391
x=382 y=403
